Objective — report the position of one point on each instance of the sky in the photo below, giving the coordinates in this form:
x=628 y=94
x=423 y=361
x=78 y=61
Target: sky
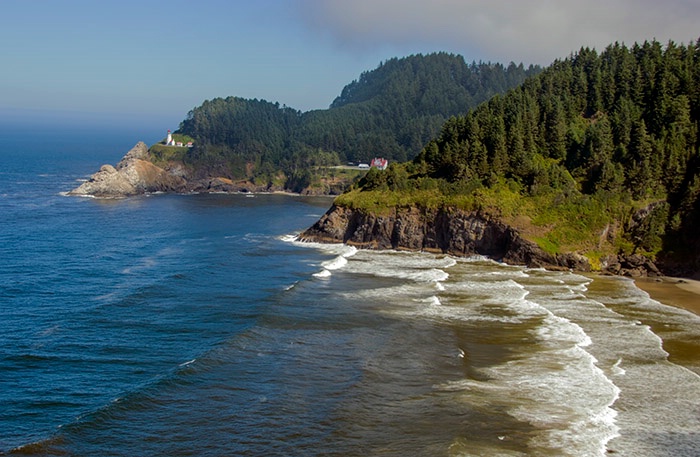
x=152 y=61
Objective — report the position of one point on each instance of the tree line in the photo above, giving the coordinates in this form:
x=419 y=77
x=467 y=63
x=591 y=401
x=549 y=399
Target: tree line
x=620 y=125
x=392 y=112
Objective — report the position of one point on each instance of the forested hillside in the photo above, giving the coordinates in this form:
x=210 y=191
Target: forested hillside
x=392 y=111
x=597 y=153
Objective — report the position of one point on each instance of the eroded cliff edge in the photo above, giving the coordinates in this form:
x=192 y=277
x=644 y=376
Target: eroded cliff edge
x=133 y=175
x=454 y=232
x=137 y=174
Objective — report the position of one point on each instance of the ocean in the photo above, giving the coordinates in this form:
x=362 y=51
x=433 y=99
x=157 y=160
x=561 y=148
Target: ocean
x=186 y=325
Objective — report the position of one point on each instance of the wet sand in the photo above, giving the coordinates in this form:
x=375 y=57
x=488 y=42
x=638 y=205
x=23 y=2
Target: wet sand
x=678 y=292
x=681 y=293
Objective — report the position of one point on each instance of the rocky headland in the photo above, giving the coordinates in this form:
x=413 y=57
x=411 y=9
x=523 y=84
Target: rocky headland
x=445 y=230
x=137 y=174
x=459 y=233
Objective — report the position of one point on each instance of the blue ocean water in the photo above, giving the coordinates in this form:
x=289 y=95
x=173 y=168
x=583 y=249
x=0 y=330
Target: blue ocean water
x=195 y=325
x=103 y=298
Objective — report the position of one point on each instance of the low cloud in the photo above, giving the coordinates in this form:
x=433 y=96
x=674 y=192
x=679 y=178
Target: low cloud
x=530 y=31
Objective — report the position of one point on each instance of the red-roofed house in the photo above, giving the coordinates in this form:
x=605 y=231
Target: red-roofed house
x=379 y=163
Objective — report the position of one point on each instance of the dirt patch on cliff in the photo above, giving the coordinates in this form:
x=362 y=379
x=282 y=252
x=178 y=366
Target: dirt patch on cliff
x=524 y=226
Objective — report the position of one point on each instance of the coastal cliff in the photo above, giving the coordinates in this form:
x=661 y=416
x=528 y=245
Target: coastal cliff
x=445 y=230
x=461 y=234
x=133 y=175
x=137 y=174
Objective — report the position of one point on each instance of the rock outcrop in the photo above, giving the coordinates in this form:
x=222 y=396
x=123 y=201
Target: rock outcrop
x=136 y=174
x=635 y=266
x=448 y=231
x=458 y=233
x=133 y=175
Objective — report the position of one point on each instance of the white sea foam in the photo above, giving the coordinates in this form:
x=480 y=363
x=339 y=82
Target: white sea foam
x=561 y=382
x=418 y=267
x=409 y=266
x=432 y=301
x=562 y=393
x=330 y=248
x=473 y=309
x=409 y=260
x=617 y=370
x=323 y=274
x=490 y=296
x=67 y=194
x=634 y=419
x=341 y=251
x=659 y=402
x=561 y=378
x=466 y=296
x=336 y=263
x=289 y=238
x=558 y=331
x=510 y=273
x=554 y=383
x=580 y=384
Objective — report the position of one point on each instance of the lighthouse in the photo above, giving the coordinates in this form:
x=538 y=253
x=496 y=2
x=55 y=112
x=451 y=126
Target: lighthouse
x=169 y=141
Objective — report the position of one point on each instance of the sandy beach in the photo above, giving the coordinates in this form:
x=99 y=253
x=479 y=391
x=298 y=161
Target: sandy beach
x=682 y=293
x=679 y=292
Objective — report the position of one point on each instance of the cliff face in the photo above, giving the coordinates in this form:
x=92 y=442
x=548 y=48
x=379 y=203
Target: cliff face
x=133 y=175
x=136 y=174
x=448 y=231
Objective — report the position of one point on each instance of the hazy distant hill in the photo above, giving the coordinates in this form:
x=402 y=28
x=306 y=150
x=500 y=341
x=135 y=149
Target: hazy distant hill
x=391 y=111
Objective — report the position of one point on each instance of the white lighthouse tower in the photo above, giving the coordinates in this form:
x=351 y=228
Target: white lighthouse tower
x=169 y=141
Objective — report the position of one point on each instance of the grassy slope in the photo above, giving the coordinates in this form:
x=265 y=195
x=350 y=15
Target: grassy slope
x=590 y=225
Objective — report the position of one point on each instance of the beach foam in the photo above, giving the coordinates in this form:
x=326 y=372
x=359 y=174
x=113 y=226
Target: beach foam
x=577 y=370
x=323 y=274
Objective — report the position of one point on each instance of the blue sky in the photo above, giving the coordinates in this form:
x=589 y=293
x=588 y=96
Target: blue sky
x=152 y=61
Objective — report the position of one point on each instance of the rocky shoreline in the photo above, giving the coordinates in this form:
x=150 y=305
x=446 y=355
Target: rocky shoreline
x=445 y=230
x=458 y=233
x=136 y=174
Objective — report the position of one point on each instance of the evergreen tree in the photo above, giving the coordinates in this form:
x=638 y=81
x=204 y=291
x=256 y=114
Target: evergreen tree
x=621 y=123
x=392 y=112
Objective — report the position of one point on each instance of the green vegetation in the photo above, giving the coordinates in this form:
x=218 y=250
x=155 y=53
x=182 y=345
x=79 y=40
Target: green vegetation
x=599 y=153
x=162 y=154
x=389 y=112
